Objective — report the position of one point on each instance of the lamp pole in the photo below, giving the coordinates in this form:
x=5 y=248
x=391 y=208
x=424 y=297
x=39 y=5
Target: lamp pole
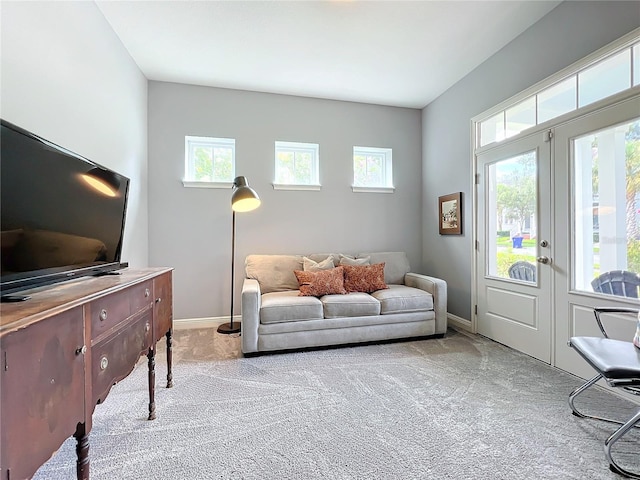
x=244 y=199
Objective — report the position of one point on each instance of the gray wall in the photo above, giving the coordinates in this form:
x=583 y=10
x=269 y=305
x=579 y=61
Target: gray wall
x=568 y=33
x=190 y=228
x=66 y=77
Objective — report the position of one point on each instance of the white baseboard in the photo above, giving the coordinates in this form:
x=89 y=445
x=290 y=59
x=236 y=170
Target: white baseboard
x=206 y=322
x=459 y=323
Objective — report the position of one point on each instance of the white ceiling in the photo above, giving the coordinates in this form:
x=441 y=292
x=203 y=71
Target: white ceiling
x=401 y=53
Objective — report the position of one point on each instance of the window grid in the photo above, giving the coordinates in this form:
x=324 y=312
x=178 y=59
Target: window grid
x=209 y=160
x=296 y=164
x=372 y=169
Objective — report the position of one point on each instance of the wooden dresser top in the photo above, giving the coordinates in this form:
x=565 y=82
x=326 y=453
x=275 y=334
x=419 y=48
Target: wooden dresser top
x=53 y=299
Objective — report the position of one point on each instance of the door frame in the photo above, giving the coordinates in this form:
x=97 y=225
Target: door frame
x=472 y=325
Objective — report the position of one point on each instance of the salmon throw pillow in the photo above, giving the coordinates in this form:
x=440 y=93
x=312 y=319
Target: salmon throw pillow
x=364 y=278
x=323 y=282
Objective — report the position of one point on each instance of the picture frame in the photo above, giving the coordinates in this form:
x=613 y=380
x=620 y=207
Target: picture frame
x=450 y=214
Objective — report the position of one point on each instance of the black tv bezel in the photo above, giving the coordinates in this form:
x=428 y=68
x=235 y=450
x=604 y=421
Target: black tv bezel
x=17 y=282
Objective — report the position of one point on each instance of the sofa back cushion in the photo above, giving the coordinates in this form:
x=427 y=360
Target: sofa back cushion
x=274 y=273
x=396 y=265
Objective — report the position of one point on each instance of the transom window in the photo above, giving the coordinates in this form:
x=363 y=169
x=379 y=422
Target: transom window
x=608 y=73
x=372 y=170
x=296 y=166
x=209 y=160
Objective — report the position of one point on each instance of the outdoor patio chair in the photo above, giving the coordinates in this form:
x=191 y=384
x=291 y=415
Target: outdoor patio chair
x=617 y=282
x=618 y=362
x=522 y=270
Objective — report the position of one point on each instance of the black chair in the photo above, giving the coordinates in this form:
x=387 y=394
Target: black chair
x=617 y=282
x=522 y=270
x=618 y=362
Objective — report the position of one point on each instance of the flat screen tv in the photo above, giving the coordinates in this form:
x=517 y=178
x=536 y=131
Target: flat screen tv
x=62 y=216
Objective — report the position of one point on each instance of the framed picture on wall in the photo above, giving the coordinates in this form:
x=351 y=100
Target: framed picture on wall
x=450 y=214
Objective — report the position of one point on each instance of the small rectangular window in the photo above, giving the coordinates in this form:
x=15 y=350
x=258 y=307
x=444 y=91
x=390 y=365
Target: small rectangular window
x=492 y=129
x=372 y=170
x=209 y=160
x=557 y=100
x=520 y=117
x=636 y=64
x=605 y=78
x=297 y=166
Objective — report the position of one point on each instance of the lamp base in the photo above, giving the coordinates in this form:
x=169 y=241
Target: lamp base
x=227 y=328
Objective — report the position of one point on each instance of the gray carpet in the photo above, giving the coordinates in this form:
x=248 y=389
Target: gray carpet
x=461 y=407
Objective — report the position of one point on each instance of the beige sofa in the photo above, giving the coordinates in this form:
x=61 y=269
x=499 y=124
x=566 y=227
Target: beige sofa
x=276 y=317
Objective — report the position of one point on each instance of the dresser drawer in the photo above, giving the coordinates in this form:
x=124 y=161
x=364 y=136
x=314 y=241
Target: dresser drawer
x=114 y=358
x=109 y=311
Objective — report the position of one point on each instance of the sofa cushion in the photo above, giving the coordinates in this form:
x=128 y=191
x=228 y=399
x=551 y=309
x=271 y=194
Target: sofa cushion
x=403 y=299
x=364 y=278
x=396 y=265
x=355 y=304
x=318 y=257
x=323 y=282
x=347 y=260
x=309 y=265
x=274 y=273
x=288 y=306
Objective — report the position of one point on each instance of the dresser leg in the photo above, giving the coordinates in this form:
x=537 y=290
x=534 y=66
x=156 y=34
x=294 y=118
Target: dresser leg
x=169 y=358
x=82 y=452
x=152 y=383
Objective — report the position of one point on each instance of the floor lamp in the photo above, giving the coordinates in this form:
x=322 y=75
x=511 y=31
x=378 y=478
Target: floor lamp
x=244 y=199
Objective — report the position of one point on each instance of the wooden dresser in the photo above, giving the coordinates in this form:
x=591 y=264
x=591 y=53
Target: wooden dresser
x=62 y=350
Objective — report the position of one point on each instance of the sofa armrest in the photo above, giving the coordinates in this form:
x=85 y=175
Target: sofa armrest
x=250 y=315
x=436 y=287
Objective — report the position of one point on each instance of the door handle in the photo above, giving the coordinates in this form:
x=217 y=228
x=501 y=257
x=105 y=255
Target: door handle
x=543 y=259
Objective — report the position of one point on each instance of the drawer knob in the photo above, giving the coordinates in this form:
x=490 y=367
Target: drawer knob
x=103 y=314
x=147 y=327
x=104 y=362
x=146 y=292
x=158 y=300
x=81 y=350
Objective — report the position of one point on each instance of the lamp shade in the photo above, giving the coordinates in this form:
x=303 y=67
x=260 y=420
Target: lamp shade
x=244 y=198
x=102 y=180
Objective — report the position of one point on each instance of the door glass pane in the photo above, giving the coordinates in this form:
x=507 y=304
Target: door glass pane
x=606 y=210
x=511 y=218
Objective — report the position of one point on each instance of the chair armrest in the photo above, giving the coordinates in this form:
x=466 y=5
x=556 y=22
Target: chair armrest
x=250 y=315
x=598 y=311
x=436 y=287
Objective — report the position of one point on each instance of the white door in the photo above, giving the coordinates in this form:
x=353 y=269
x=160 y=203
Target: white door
x=514 y=258
x=597 y=174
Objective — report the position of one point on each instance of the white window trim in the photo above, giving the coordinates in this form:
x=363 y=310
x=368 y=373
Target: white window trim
x=312 y=148
x=372 y=189
x=388 y=154
x=287 y=186
x=211 y=141
x=193 y=184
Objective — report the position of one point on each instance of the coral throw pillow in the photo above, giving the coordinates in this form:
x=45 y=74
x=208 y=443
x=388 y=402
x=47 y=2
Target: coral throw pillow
x=364 y=278
x=636 y=339
x=323 y=282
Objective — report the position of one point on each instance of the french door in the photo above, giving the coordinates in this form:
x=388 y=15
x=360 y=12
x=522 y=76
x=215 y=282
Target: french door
x=515 y=260
x=597 y=173
x=554 y=211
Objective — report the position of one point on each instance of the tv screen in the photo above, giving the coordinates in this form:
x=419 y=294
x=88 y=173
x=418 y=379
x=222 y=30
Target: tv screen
x=61 y=215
